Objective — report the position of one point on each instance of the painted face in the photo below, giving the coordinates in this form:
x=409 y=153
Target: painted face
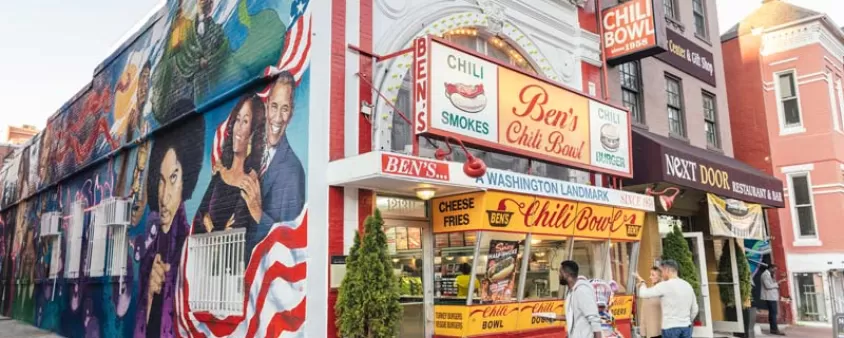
x=655 y=276
x=169 y=189
x=205 y=6
x=242 y=129
x=137 y=184
x=279 y=112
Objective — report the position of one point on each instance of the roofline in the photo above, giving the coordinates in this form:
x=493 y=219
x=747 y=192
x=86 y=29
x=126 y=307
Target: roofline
x=725 y=38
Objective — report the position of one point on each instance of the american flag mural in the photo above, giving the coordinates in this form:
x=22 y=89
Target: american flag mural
x=295 y=58
x=274 y=283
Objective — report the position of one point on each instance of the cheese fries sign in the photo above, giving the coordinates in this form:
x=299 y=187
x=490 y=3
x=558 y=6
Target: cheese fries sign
x=458 y=93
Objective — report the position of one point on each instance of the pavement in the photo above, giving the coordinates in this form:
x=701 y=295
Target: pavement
x=801 y=332
x=10 y=328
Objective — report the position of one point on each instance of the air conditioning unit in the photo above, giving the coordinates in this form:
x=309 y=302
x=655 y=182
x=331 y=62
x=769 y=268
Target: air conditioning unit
x=113 y=211
x=50 y=222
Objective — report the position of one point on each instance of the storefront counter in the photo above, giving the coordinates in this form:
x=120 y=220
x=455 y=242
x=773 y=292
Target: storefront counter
x=515 y=319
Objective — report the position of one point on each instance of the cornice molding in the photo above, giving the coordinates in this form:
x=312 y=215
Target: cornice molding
x=790 y=38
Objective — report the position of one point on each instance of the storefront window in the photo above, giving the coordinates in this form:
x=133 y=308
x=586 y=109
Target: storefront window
x=497 y=267
x=621 y=254
x=453 y=256
x=591 y=257
x=543 y=279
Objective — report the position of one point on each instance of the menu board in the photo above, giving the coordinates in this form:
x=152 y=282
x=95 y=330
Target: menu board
x=414 y=238
x=401 y=238
x=500 y=272
x=441 y=240
x=455 y=239
x=470 y=238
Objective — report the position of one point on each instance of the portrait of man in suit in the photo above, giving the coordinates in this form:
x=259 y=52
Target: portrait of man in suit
x=278 y=193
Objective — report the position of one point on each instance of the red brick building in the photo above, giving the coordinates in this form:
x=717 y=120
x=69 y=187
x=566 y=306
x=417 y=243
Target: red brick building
x=783 y=65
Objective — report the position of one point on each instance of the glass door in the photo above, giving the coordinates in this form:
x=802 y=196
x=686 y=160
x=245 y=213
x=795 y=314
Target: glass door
x=703 y=323
x=404 y=242
x=727 y=315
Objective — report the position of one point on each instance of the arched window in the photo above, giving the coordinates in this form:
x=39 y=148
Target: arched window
x=495 y=48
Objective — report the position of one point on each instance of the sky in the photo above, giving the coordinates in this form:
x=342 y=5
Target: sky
x=49 y=48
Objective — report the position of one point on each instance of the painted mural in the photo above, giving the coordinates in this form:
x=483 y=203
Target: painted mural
x=201 y=121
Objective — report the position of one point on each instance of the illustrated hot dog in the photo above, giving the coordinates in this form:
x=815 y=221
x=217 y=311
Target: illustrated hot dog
x=468 y=98
x=501 y=269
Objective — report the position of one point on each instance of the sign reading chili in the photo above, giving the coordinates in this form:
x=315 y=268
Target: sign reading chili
x=463 y=95
x=633 y=30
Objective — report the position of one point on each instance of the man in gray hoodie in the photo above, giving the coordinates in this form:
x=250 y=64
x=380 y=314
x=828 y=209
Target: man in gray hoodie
x=582 y=320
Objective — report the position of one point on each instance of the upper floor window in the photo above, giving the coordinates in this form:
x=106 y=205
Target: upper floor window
x=676 y=116
x=802 y=207
x=631 y=89
x=710 y=120
x=789 y=104
x=700 y=18
x=671 y=9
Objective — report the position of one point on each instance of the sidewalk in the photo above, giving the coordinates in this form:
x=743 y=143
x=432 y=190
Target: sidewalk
x=10 y=328
x=801 y=332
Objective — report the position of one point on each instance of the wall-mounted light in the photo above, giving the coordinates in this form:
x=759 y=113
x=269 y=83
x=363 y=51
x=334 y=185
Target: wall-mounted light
x=425 y=192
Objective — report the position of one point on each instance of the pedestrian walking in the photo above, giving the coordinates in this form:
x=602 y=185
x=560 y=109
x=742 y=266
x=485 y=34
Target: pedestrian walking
x=581 y=305
x=771 y=295
x=650 y=310
x=679 y=303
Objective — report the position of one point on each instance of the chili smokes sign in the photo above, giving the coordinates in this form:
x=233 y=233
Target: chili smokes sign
x=460 y=94
x=633 y=30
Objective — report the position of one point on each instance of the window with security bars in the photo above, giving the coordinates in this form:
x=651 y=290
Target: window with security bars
x=631 y=89
x=671 y=9
x=802 y=207
x=216 y=266
x=51 y=238
x=75 y=230
x=674 y=95
x=710 y=120
x=699 y=12
x=788 y=100
x=107 y=240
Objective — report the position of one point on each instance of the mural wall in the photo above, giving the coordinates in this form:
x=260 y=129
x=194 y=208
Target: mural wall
x=201 y=120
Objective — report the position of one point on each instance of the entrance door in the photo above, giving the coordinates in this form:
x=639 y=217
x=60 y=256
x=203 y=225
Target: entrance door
x=404 y=243
x=727 y=315
x=703 y=323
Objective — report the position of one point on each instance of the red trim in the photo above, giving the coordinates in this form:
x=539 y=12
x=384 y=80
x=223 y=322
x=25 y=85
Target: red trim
x=336 y=146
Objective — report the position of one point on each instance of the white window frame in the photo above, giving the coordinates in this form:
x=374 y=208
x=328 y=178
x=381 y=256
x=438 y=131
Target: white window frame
x=703 y=14
x=795 y=129
x=803 y=170
x=51 y=235
x=107 y=242
x=218 y=294
x=840 y=95
x=75 y=231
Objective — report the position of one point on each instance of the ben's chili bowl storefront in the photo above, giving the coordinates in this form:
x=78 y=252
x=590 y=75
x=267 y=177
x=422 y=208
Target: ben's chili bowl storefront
x=478 y=250
x=718 y=202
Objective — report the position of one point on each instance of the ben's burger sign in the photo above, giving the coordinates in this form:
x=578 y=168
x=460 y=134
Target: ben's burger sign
x=633 y=30
x=460 y=94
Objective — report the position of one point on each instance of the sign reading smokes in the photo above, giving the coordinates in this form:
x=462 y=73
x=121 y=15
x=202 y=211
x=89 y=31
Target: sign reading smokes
x=633 y=30
x=459 y=94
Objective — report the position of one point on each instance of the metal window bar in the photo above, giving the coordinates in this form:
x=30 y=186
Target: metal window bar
x=216 y=271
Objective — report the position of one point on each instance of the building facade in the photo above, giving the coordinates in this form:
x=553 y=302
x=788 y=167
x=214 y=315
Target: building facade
x=784 y=79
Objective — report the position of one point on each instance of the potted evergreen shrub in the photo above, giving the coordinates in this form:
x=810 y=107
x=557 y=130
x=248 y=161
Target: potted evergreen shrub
x=368 y=300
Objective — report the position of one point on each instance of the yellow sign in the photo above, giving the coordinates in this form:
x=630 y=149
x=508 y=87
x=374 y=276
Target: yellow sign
x=506 y=212
x=483 y=320
x=542 y=119
x=457 y=213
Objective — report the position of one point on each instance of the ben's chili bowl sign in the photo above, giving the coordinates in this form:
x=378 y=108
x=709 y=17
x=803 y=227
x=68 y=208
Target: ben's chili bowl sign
x=480 y=102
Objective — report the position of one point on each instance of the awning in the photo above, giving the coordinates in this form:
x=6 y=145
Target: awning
x=401 y=174
x=661 y=159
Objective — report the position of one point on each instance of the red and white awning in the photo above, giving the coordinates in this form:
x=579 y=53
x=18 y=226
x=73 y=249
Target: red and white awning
x=402 y=175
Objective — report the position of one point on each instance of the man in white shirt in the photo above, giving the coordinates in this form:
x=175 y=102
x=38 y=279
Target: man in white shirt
x=679 y=303
x=770 y=293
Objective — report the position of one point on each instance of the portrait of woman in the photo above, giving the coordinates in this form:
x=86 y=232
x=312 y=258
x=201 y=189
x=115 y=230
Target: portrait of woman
x=223 y=206
x=174 y=164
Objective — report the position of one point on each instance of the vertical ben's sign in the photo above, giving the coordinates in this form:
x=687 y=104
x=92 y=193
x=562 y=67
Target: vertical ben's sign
x=633 y=30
